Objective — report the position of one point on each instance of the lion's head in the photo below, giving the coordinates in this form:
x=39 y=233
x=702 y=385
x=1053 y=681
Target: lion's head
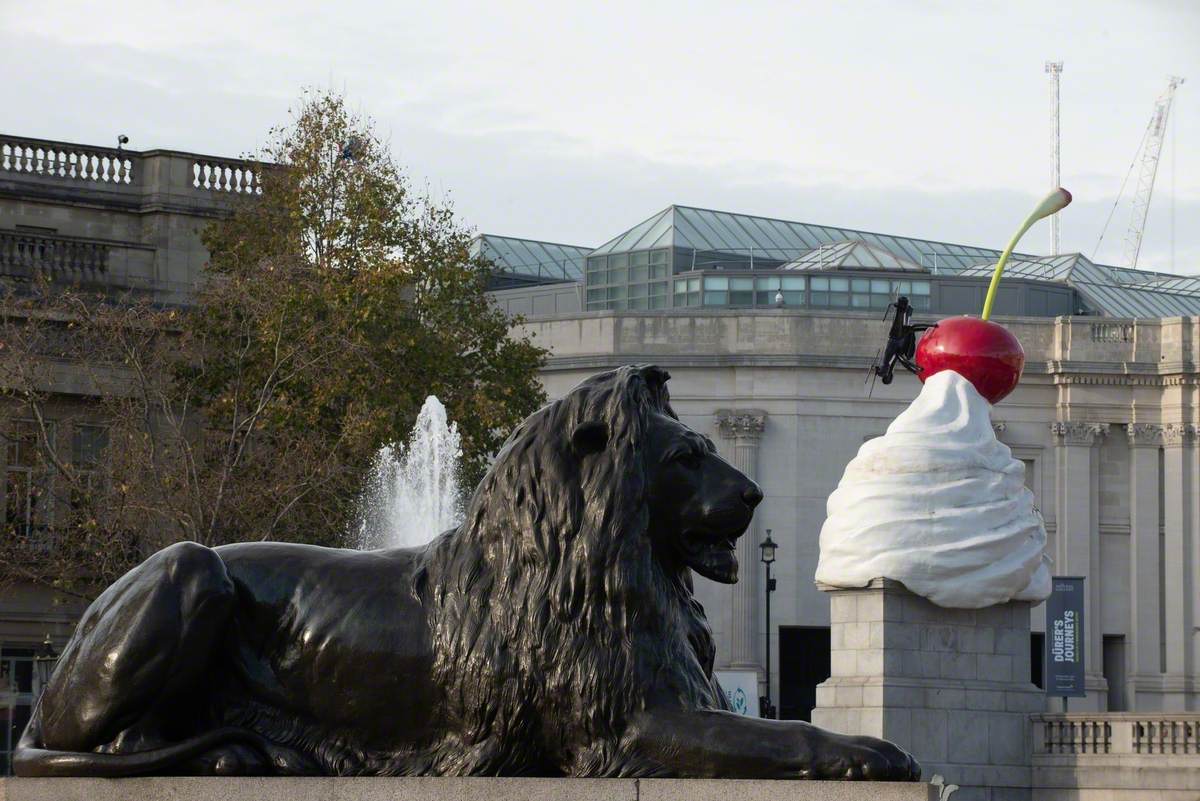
x=699 y=504
x=570 y=578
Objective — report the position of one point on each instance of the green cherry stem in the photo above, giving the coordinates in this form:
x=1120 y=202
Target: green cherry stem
x=1054 y=202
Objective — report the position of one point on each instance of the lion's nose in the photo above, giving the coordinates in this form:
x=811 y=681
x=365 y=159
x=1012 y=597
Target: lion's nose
x=752 y=495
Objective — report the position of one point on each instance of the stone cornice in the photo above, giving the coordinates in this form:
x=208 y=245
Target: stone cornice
x=1125 y=380
x=740 y=423
x=1078 y=433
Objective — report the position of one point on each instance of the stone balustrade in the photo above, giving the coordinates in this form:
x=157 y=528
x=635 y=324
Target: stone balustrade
x=1113 y=332
x=1102 y=756
x=233 y=177
x=1117 y=733
x=82 y=163
x=22 y=255
x=86 y=166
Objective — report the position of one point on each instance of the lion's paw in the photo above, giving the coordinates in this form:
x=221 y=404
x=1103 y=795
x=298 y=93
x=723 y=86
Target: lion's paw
x=866 y=759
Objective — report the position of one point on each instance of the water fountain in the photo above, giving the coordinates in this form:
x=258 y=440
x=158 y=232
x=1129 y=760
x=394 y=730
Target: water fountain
x=412 y=494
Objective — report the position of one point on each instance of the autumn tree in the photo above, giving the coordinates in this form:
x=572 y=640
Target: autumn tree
x=388 y=282
x=335 y=301
x=109 y=458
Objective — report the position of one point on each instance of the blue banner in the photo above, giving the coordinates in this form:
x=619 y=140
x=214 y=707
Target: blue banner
x=1064 y=638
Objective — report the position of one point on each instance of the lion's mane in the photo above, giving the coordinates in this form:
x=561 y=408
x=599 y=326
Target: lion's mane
x=552 y=619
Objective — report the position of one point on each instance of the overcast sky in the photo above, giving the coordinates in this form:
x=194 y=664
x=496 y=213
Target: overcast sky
x=573 y=121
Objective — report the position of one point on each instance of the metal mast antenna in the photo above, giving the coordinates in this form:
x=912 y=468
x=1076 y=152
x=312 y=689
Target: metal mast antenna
x=1145 y=187
x=1054 y=70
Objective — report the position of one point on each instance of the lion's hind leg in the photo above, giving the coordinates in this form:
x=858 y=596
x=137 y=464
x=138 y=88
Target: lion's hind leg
x=135 y=665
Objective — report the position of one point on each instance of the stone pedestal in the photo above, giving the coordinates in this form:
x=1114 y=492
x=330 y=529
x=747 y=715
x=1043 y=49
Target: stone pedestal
x=433 y=789
x=950 y=685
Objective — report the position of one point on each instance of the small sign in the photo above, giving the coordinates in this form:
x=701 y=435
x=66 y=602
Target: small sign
x=741 y=690
x=1064 y=638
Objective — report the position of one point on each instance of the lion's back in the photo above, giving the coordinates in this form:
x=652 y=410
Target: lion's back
x=313 y=621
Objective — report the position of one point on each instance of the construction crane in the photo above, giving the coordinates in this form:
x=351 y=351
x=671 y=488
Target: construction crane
x=1054 y=69
x=1151 y=150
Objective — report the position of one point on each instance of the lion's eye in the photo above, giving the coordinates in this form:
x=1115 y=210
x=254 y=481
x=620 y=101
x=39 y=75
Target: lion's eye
x=689 y=459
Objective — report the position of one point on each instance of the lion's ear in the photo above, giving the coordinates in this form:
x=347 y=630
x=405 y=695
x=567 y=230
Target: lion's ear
x=589 y=438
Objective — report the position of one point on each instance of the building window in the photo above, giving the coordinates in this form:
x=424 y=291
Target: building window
x=639 y=267
x=833 y=293
x=597 y=277
x=716 y=290
x=917 y=293
x=793 y=290
x=765 y=289
x=17 y=694
x=26 y=481
x=658 y=264
x=741 y=291
x=866 y=294
x=687 y=292
x=618 y=268
x=658 y=294
x=88 y=443
x=639 y=277
x=596 y=269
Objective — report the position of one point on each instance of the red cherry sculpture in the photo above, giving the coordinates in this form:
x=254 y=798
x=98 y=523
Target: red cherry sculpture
x=983 y=352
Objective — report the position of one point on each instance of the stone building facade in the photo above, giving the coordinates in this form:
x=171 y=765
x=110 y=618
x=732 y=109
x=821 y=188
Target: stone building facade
x=1105 y=420
x=122 y=222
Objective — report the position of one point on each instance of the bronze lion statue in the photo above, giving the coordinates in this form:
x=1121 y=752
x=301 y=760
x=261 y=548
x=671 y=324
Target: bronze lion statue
x=553 y=633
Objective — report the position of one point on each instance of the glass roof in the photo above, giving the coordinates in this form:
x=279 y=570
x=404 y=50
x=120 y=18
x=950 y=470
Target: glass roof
x=745 y=234
x=1109 y=291
x=1113 y=291
x=853 y=254
x=547 y=261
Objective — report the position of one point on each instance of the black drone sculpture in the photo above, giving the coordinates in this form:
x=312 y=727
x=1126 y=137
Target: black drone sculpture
x=553 y=633
x=901 y=344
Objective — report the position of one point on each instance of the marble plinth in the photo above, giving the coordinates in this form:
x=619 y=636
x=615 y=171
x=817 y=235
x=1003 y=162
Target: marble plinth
x=950 y=685
x=433 y=789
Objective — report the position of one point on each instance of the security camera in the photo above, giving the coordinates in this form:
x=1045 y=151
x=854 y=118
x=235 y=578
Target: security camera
x=122 y=139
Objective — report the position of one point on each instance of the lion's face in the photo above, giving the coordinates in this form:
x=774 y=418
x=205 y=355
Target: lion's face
x=699 y=503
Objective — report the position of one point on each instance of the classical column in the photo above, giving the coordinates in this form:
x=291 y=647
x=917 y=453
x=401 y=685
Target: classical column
x=1078 y=540
x=1145 y=624
x=744 y=428
x=1179 y=581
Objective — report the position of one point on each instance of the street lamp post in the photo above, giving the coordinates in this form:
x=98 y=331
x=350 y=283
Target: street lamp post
x=43 y=663
x=768 y=547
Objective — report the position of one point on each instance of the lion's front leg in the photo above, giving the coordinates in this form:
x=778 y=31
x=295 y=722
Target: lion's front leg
x=709 y=743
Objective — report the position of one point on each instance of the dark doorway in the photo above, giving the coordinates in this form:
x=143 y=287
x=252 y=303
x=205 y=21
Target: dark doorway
x=1037 y=659
x=803 y=664
x=1114 y=671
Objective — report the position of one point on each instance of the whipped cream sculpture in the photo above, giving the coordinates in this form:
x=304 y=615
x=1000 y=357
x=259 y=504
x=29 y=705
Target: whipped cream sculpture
x=938 y=503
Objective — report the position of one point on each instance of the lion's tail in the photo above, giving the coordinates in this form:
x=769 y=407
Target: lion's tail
x=29 y=759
